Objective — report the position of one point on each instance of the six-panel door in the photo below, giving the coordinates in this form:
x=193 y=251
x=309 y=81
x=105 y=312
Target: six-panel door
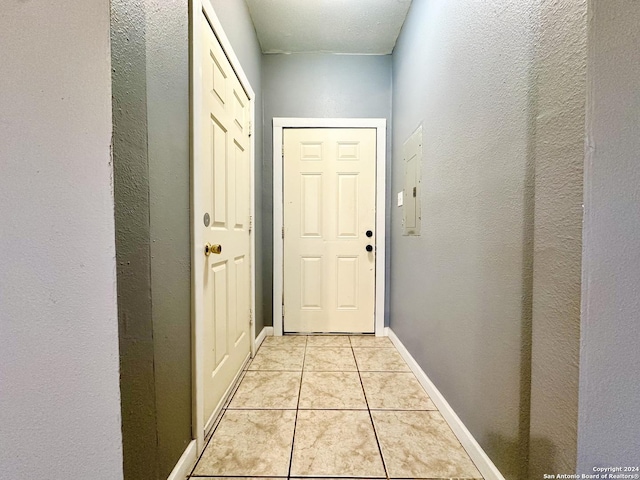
x=329 y=206
x=226 y=199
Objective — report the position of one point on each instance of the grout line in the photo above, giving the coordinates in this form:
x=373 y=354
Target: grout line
x=295 y=422
x=337 y=409
x=238 y=476
x=261 y=409
x=375 y=433
x=294 y=371
x=385 y=371
x=332 y=371
x=404 y=410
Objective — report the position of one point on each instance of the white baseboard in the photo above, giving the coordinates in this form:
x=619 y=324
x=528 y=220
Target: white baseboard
x=475 y=451
x=266 y=331
x=185 y=463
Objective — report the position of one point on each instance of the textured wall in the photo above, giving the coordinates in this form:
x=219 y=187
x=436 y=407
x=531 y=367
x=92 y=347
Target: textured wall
x=131 y=190
x=317 y=86
x=151 y=163
x=237 y=25
x=59 y=397
x=559 y=150
x=460 y=292
x=609 y=426
x=167 y=60
x=150 y=57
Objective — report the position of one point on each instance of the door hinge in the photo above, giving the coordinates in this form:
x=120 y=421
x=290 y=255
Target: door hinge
x=250 y=127
x=250 y=317
x=282 y=232
x=283 y=310
x=250 y=223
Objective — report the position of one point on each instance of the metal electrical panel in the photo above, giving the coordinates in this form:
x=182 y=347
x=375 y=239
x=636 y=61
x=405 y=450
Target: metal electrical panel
x=412 y=156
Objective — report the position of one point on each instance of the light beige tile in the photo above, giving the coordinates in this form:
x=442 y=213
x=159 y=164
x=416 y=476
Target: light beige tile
x=421 y=445
x=328 y=341
x=278 y=358
x=334 y=390
x=395 y=391
x=329 y=359
x=292 y=340
x=379 y=360
x=264 y=389
x=250 y=443
x=370 y=341
x=337 y=443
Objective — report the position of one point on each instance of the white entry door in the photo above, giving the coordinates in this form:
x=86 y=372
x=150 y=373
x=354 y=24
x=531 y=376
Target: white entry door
x=329 y=229
x=224 y=176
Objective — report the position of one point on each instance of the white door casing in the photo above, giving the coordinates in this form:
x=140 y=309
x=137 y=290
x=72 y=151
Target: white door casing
x=222 y=187
x=279 y=125
x=329 y=230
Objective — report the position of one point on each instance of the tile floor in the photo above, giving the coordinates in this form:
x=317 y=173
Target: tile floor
x=331 y=407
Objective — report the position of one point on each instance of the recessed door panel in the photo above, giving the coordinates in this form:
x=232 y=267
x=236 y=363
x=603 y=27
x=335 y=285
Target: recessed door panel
x=347 y=285
x=242 y=300
x=241 y=190
x=220 y=310
x=311 y=211
x=311 y=151
x=311 y=283
x=239 y=110
x=219 y=79
x=219 y=161
x=347 y=211
x=348 y=150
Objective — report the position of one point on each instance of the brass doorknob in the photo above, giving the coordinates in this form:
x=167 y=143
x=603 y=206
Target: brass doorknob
x=209 y=249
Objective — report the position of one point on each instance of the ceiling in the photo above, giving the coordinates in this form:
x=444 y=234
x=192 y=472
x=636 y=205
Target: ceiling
x=328 y=26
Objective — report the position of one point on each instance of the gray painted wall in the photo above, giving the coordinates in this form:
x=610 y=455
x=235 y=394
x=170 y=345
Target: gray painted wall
x=559 y=152
x=151 y=157
x=131 y=189
x=609 y=426
x=317 y=86
x=460 y=292
x=167 y=56
x=236 y=22
x=59 y=397
x=150 y=56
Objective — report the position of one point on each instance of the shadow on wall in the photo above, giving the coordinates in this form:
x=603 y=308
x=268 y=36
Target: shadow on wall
x=509 y=448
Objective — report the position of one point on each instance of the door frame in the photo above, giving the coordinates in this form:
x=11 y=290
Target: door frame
x=279 y=124
x=197 y=22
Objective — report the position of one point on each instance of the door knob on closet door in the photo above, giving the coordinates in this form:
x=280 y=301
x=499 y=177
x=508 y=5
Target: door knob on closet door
x=369 y=248
x=209 y=249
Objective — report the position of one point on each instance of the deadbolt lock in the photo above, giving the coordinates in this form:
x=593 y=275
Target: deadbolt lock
x=209 y=249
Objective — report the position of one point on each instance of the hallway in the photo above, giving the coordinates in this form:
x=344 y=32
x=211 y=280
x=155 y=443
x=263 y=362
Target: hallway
x=509 y=281
x=331 y=406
